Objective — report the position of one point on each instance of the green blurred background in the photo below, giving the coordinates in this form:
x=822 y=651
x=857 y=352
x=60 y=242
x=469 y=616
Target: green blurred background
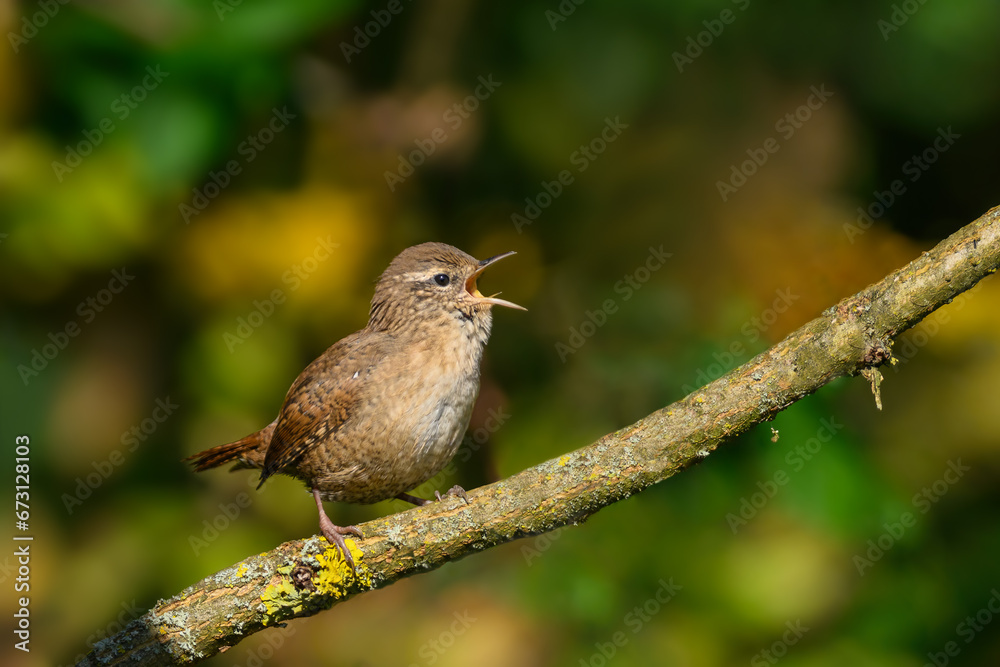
x=172 y=169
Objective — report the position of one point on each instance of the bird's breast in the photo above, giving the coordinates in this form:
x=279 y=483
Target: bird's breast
x=413 y=410
x=444 y=386
x=427 y=391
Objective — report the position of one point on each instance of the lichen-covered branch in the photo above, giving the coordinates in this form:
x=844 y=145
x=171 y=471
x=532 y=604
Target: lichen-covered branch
x=302 y=577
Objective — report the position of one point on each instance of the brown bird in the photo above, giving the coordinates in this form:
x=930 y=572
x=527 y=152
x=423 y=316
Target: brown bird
x=384 y=409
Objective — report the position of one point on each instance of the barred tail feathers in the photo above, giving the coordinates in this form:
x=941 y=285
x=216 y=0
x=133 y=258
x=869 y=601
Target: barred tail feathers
x=246 y=452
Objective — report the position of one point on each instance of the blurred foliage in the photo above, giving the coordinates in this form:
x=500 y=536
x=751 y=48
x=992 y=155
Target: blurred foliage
x=229 y=160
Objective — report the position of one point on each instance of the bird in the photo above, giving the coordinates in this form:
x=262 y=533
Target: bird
x=384 y=409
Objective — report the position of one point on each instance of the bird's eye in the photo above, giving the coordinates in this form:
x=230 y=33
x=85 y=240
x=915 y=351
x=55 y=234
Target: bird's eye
x=442 y=279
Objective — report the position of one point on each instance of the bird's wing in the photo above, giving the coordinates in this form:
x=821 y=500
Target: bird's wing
x=322 y=398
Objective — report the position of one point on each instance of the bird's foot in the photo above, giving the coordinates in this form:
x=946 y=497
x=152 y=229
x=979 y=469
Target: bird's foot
x=420 y=502
x=334 y=534
x=453 y=491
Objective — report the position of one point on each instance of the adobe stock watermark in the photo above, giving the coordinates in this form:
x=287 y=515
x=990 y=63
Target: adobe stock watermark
x=381 y=18
x=922 y=501
x=293 y=278
x=496 y=417
x=752 y=330
x=87 y=310
x=563 y=11
x=540 y=544
x=581 y=158
x=453 y=117
x=900 y=14
x=967 y=630
x=796 y=460
x=223 y=7
x=912 y=169
x=130 y=611
x=635 y=620
x=130 y=439
x=911 y=342
x=432 y=649
x=786 y=127
x=626 y=288
x=32 y=23
x=7 y=569
x=214 y=527
x=121 y=108
x=273 y=641
x=779 y=649
x=696 y=44
x=248 y=150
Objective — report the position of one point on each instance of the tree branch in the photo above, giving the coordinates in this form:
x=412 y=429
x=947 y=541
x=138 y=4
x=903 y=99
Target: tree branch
x=303 y=577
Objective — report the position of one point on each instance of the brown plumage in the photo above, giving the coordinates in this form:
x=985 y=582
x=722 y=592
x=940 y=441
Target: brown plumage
x=384 y=409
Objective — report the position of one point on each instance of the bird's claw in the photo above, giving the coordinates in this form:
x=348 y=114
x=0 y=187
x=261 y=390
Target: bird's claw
x=453 y=491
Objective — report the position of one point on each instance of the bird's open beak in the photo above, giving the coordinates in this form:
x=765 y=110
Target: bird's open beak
x=470 y=284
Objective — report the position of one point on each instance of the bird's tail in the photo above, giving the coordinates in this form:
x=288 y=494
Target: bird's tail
x=246 y=452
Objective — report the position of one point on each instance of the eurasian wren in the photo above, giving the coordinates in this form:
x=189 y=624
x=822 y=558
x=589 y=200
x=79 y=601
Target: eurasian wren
x=384 y=409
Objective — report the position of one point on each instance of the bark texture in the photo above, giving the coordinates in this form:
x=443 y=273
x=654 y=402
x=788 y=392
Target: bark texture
x=303 y=577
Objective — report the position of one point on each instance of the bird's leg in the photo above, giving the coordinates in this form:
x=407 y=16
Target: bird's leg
x=419 y=502
x=333 y=533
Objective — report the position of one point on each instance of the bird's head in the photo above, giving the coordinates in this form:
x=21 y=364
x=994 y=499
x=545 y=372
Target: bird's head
x=430 y=280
